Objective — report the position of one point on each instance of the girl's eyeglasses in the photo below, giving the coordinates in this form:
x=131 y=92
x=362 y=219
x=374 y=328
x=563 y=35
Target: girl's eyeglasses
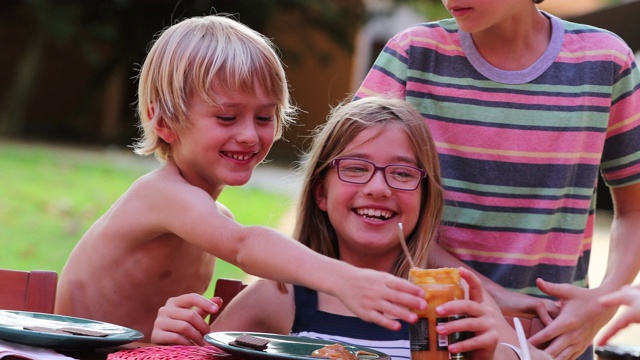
x=360 y=171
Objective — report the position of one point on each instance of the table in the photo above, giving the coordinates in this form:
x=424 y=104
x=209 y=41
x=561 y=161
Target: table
x=177 y=352
x=93 y=354
x=102 y=353
x=137 y=350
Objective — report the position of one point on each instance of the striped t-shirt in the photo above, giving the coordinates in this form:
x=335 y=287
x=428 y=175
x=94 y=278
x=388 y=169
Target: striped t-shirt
x=520 y=150
x=313 y=323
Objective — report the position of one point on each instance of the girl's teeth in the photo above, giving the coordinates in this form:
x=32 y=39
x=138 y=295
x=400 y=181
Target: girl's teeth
x=376 y=213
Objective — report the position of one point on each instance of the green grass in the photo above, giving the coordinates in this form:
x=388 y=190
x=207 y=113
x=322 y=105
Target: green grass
x=49 y=196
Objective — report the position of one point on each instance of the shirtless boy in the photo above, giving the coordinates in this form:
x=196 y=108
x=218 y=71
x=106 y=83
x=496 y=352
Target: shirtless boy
x=212 y=99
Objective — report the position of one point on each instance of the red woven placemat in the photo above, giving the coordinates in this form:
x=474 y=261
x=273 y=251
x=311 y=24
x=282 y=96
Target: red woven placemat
x=170 y=353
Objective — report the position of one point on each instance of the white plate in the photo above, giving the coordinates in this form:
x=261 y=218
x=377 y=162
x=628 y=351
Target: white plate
x=13 y=323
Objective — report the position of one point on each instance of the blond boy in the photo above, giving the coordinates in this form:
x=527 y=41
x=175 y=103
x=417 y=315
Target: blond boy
x=213 y=97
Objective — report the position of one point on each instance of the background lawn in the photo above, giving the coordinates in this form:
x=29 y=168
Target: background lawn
x=50 y=195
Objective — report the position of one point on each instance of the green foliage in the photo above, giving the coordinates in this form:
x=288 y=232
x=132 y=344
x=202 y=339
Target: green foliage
x=111 y=38
x=430 y=9
x=50 y=196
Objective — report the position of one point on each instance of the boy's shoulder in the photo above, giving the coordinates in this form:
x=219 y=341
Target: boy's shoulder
x=164 y=184
x=167 y=174
x=444 y=26
x=436 y=34
x=156 y=203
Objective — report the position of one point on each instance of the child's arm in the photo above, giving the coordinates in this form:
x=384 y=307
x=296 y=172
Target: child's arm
x=374 y=296
x=261 y=307
x=371 y=295
x=629 y=296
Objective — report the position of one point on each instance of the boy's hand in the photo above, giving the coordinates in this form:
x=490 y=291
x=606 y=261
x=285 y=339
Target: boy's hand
x=182 y=320
x=570 y=334
x=379 y=297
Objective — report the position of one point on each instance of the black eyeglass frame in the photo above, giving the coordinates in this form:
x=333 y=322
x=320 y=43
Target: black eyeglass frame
x=336 y=163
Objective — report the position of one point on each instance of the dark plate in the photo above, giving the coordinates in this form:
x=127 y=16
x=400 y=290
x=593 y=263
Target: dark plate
x=282 y=347
x=12 y=325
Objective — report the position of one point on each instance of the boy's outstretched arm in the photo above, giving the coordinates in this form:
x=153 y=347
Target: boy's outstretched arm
x=373 y=296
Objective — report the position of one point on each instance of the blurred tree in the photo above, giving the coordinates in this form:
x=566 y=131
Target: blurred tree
x=103 y=40
x=111 y=36
x=431 y=9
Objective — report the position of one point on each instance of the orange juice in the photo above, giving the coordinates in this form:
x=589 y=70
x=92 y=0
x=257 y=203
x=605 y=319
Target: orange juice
x=440 y=286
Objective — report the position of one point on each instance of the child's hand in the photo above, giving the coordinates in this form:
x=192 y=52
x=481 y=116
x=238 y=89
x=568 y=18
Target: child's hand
x=379 y=297
x=628 y=295
x=480 y=321
x=182 y=320
x=569 y=335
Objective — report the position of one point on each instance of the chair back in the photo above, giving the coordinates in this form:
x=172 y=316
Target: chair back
x=28 y=290
x=226 y=289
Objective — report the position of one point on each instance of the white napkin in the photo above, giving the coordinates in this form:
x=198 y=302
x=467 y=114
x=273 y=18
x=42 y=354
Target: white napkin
x=29 y=352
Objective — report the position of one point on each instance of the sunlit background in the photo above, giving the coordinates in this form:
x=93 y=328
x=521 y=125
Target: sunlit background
x=68 y=68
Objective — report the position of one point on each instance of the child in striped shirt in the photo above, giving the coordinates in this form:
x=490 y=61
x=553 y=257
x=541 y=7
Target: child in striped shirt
x=526 y=109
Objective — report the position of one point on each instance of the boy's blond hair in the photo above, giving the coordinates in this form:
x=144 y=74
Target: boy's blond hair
x=193 y=56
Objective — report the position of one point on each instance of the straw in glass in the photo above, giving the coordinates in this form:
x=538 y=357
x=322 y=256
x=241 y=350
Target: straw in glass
x=403 y=242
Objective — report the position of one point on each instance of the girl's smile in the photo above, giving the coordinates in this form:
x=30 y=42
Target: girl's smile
x=366 y=215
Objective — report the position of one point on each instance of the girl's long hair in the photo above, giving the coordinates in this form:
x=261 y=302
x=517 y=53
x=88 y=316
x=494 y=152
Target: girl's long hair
x=344 y=123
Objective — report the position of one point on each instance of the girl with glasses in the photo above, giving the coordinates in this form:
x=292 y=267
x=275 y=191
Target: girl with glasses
x=370 y=167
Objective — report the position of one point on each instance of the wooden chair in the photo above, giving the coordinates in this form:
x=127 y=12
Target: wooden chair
x=226 y=289
x=28 y=290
